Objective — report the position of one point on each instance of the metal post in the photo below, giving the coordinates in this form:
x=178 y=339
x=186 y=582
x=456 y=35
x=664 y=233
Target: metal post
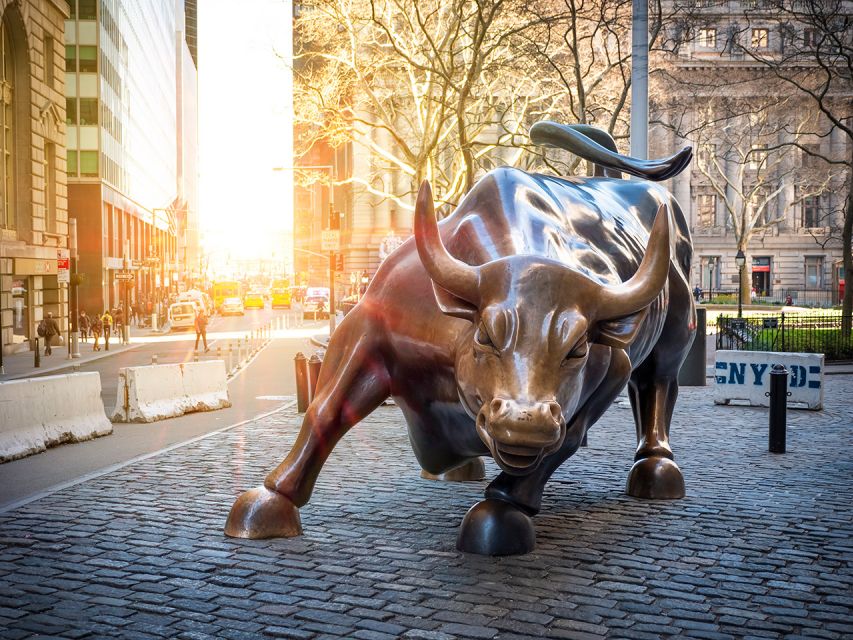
x=778 y=408
x=154 y=359
x=230 y=358
x=239 y=351
x=195 y=355
x=218 y=352
x=301 y=365
x=640 y=79
x=37 y=355
x=332 y=290
x=314 y=365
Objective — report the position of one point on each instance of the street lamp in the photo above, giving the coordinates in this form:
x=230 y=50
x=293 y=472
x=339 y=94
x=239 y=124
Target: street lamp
x=740 y=261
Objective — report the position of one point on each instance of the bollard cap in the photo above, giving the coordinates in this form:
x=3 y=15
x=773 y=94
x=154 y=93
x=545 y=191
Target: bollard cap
x=315 y=358
x=779 y=369
x=299 y=356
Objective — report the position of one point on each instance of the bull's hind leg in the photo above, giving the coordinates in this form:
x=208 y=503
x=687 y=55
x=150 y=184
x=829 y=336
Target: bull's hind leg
x=653 y=390
x=353 y=382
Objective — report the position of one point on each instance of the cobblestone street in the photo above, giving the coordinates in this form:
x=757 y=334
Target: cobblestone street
x=761 y=547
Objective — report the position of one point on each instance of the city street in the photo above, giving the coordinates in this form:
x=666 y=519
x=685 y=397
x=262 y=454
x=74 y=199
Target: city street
x=267 y=383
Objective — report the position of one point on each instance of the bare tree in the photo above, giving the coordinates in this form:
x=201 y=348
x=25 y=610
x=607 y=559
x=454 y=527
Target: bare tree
x=814 y=58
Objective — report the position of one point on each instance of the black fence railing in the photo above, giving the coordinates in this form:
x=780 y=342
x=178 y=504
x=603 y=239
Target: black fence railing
x=814 y=298
x=797 y=333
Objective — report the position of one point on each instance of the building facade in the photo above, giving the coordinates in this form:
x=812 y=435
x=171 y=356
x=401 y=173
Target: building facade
x=33 y=198
x=758 y=160
x=131 y=113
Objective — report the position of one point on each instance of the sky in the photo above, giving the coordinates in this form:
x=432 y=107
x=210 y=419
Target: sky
x=245 y=127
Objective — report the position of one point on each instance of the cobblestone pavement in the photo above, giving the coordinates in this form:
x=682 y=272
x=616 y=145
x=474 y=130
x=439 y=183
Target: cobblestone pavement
x=761 y=547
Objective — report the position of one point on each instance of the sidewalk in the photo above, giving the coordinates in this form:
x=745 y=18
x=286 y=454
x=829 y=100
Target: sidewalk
x=21 y=364
x=760 y=547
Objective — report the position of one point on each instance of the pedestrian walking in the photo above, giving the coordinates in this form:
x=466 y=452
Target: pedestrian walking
x=697 y=293
x=48 y=329
x=106 y=327
x=201 y=329
x=97 y=328
x=83 y=326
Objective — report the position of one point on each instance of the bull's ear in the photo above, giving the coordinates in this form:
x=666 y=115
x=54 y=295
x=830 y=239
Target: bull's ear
x=453 y=305
x=619 y=333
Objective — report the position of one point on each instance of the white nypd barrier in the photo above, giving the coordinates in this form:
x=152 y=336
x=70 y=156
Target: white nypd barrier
x=157 y=392
x=745 y=376
x=37 y=413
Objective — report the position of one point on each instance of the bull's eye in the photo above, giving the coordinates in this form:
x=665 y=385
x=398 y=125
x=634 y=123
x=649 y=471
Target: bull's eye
x=482 y=339
x=579 y=351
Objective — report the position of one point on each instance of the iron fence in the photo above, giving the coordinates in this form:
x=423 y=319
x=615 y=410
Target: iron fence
x=792 y=333
x=815 y=298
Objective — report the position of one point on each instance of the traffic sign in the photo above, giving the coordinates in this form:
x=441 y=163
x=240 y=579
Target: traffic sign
x=63 y=266
x=124 y=276
x=330 y=240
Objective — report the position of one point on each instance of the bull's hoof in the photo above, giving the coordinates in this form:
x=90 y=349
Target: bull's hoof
x=655 y=478
x=260 y=513
x=496 y=528
x=473 y=469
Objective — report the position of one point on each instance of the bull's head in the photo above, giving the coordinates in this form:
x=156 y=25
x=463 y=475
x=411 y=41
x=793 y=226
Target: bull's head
x=521 y=370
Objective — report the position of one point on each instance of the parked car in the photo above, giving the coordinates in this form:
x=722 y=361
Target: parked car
x=231 y=307
x=253 y=300
x=312 y=305
x=182 y=315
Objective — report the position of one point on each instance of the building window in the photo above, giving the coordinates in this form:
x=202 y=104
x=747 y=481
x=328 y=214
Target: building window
x=814 y=272
x=88 y=59
x=811 y=212
x=89 y=164
x=49 y=61
x=707 y=38
x=7 y=129
x=706 y=208
x=706 y=155
x=808 y=38
x=88 y=111
x=70 y=110
x=760 y=38
x=70 y=58
x=71 y=163
x=757 y=158
x=50 y=187
x=87 y=9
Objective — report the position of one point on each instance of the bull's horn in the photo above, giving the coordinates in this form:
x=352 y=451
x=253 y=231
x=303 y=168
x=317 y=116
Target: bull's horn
x=644 y=286
x=459 y=278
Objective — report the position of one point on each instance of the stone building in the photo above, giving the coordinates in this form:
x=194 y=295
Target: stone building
x=33 y=198
x=746 y=167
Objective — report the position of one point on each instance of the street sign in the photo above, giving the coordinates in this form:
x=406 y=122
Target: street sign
x=63 y=266
x=124 y=276
x=138 y=263
x=330 y=240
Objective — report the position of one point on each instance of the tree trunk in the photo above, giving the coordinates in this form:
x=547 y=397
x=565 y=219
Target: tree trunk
x=847 y=254
x=745 y=286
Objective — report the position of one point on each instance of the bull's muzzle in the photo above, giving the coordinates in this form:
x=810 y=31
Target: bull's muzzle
x=520 y=435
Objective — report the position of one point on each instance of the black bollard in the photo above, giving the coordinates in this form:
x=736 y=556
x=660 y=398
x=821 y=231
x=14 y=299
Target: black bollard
x=314 y=365
x=778 y=408
x=37 y=355
x=301 y=364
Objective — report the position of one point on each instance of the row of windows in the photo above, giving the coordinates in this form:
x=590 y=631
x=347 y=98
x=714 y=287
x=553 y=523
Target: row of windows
x=82 y=163
x=83 y=111
x=706 y=37
x=812 y=211
x=814 y=268
x=109 y=73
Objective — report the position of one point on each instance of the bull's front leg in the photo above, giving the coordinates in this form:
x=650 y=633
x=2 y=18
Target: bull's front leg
x=653 y=390
x=353 y=382
x=501 y=524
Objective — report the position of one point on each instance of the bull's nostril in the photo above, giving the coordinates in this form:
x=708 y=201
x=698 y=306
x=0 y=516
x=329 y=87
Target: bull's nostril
x=498 y=407
x=556 y=411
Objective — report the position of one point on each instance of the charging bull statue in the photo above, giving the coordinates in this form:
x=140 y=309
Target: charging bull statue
x=507 y=330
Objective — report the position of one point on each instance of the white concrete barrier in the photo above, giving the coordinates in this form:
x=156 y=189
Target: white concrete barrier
x=157 y=392
x=745 y=376
x=37 y=413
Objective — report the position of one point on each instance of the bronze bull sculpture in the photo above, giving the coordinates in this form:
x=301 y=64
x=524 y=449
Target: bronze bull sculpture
x=507 y=330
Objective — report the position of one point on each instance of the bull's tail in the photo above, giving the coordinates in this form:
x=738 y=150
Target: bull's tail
x=597 y=146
